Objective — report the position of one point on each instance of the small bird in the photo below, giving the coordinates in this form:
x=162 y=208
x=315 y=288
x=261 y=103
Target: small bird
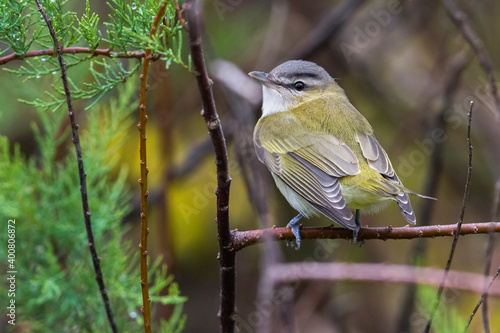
x=321 y=151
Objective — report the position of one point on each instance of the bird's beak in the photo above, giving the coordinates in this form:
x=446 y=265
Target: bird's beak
x=262 y=78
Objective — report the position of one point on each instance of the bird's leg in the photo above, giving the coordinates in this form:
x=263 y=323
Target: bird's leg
x=294 y=224
x=358 y=226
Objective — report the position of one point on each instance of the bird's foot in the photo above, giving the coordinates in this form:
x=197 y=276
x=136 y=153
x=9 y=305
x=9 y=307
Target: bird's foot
x=355 y=240
x=355 y=232
x=294 y=224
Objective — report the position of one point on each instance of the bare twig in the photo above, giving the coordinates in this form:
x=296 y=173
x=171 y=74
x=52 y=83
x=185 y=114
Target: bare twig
x=380 y=272
x=457 y=65
x=143 y=181
x=73 y=50
x=242 y=239
x=459 y=224
x=496 y=202
x=226 y=257
x=460 y=19
x=179 y=11
x=81 y=171
x=489 y=254
x=240 y=96
x=483 y=298
x=486 y=272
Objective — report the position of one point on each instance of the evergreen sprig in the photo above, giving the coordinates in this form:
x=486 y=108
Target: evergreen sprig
x=63 y=21
x=42 y=66
x=39 y=191
x=104 y=80
x=39 y=194
x=89 y=27
x=130 y=25
x=127 y=30
x=16 y=19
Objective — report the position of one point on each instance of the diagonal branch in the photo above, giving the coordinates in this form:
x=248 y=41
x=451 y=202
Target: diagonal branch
x=242 y=239
x=457 y=66
x=489 y=254
x=459 y=224
x=81 y=171
x=143 y=181
x=481 y=300
x=209 y=112
x=460 y=19
x=73 y=50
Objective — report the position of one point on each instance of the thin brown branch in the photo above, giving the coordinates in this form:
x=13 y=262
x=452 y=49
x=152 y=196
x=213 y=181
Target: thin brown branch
x=457 y=66
x=489 y=255
x=81 y=171
x=461 y=21
x=481 y=300
x=143 y=181
x=377 y=272
x=240 y=117
x=179 y=12
x=486 y=272
x=242 y=239
x=496 y=201
x=459 y=224
x=226 y=256
x=73 y=50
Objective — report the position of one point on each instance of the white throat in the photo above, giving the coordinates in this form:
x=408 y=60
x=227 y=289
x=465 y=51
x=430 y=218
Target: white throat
x=273 y=102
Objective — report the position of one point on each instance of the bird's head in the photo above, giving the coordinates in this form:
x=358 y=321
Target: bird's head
x=291 y=84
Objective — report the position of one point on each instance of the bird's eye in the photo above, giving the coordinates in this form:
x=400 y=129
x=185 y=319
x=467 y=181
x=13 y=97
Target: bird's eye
x=299 y=85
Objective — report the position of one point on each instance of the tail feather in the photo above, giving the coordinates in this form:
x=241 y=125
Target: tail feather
x=403 y=200
x=405 y=207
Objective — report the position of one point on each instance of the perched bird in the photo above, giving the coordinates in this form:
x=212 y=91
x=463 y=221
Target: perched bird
x=320 y=150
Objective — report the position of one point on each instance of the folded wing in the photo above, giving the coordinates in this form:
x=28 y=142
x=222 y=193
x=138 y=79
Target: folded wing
x=311 y=166
x=379 y=161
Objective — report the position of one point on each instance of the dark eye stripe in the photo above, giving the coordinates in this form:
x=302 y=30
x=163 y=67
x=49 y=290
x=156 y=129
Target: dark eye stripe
x=298 y=76
x=293 y=86
x=308 y=75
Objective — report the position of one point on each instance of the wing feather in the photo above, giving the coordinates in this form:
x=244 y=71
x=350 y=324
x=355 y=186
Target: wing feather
x=321 y=190
x=311 y=166
x=378 y=160
x=375 y=154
